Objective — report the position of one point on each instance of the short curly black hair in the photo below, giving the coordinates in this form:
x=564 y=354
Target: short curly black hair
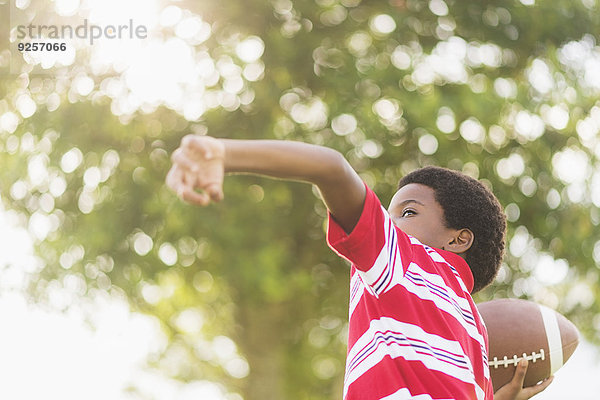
x=467 y=203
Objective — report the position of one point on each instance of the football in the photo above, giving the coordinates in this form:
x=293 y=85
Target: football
x=521 y=328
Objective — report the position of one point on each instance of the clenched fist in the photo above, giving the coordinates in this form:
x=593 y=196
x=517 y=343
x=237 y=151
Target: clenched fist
x=198 y=169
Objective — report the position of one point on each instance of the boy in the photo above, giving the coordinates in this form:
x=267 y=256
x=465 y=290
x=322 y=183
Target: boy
x=414 y=330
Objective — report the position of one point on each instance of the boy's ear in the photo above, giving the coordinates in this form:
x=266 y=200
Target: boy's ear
x=461 y=242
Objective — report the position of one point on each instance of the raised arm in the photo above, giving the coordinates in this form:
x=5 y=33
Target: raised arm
x=201 y=161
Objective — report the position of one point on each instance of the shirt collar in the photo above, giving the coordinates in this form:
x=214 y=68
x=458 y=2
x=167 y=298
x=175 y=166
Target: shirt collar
x=461 y=266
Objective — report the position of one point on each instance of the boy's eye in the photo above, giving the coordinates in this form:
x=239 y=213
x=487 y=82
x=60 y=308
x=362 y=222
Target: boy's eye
x=408 y=212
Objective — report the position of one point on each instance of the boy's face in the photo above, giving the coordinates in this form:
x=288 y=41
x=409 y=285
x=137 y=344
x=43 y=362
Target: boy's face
x=416 y=212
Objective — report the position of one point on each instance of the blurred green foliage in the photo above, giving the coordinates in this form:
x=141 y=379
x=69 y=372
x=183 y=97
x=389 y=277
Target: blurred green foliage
x=502 y=90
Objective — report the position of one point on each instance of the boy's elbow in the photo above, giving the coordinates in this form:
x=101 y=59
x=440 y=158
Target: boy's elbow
x=343 y=192
x=340 y=176
x=337 y=168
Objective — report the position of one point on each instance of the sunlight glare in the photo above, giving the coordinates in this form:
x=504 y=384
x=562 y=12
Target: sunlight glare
x=25 y=105
x=194 y=30
x=382 y=24
x=155 y=79
x=115 y=12
x=170 y=16
x=9 y=121
x=66 y=8
x=250 y=49
x=571 y=166
x=550 y=271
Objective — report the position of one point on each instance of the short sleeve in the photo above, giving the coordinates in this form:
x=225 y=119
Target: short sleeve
x=375 y=247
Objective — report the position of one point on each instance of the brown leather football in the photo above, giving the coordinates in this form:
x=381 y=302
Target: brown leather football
x=521 y=328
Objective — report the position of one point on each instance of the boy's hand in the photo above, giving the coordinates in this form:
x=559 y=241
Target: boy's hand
x=198 y=169
x=514 y=390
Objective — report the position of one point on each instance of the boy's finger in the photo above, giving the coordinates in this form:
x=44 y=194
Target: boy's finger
x=540 y=387
x=178 y=181
x=196 y=144
x=174 y=178
x=520 y=372
x=215 y=192
x=193 y=197
x=179 y=158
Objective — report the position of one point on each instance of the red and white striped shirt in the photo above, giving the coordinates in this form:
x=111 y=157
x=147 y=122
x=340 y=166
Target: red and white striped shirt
x=414 y=332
